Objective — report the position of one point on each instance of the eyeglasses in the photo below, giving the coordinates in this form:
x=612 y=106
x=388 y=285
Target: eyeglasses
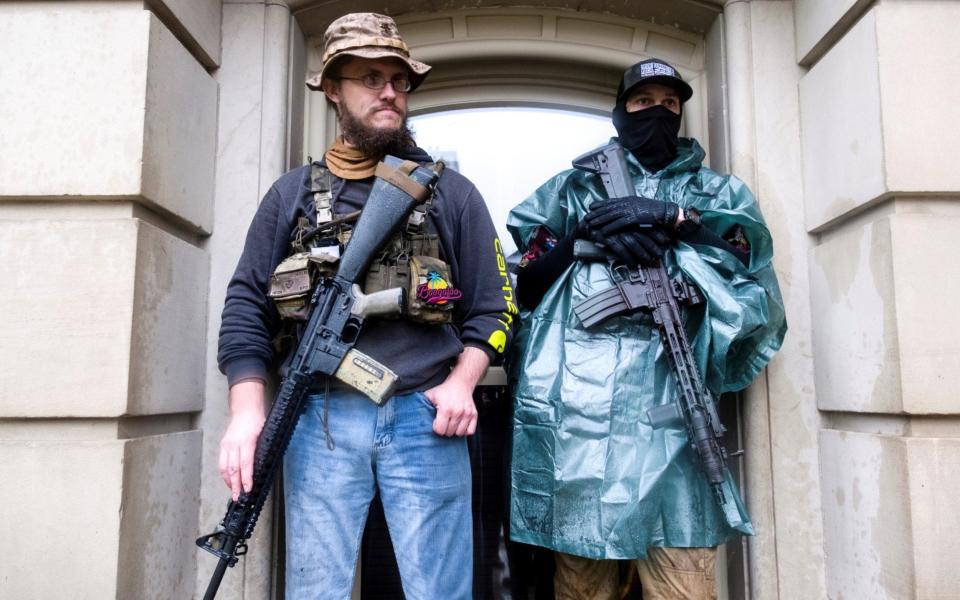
x=401 y=83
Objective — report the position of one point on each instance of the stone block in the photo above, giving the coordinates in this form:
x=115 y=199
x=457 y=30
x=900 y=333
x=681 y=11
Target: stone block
x=884 y=327
x=110 y=519
x=864 y=135
x=200 y=20
x=854 y=326
x=140 y=121
x=927 y=286
x=889 y=519
x=934 y=478
x=161 y=499
x=919 y=52
x=91 y=144
x=842 y=133
x=179 y=131
x=868 y=538
x=816 y=18
x=103 y=318
x=62 y=505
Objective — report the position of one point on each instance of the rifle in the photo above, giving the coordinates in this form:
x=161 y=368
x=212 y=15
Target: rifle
x=651 y=289
x=338 y=309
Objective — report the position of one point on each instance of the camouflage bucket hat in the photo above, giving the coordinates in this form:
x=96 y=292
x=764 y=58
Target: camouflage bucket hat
x=367 y=35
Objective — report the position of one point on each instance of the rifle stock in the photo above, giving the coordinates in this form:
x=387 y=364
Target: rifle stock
x=336 y=318
x=650 y=289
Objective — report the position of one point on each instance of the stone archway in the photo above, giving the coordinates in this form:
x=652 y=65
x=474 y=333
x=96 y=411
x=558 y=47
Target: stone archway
x=528 y=57
x=544 y=58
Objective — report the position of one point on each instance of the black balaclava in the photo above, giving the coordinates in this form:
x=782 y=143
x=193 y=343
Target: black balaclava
x=649 y=134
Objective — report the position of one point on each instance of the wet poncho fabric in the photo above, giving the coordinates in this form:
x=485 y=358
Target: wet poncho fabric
x=591 y=477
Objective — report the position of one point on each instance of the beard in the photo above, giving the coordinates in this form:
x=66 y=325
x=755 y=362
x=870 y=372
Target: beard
x=374 y=142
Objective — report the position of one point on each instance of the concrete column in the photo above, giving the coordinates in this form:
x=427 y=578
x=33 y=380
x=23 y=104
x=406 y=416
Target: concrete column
x=881 y=188
x=780 y=412
x=106 y=163
x=260 y=78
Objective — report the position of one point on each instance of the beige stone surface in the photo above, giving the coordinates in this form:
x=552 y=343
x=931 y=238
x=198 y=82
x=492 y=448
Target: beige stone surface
x=108 y=104
x=794 y=420
x=168 y=341
x=926 y=294
x=102 y=519
x=244 y=80
x=179 y=131
x=816 y=19
x=884 y=333
x=864 y=136
x=158 y=523
x=919 y=51
x=200 y=20
x=103 y=318
x=890 y=520
x=934 y=488
x=855 y=344
x=842 y=135
x=96 y=55
x=62 y=504
x=868 y=534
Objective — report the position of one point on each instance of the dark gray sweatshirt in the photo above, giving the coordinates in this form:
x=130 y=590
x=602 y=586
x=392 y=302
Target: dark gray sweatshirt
x=420 y=354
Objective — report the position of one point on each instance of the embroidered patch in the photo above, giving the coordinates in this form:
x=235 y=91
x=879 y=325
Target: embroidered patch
x=542 y=242
x=737 y=238
x=651 y=69
x=436 y=290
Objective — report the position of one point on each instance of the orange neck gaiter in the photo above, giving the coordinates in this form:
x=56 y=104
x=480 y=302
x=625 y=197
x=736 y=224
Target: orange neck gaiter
x=348 y=163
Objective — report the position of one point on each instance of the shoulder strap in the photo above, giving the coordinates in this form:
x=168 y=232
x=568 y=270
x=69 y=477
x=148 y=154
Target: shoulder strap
x=417 y=223
x=320 y=187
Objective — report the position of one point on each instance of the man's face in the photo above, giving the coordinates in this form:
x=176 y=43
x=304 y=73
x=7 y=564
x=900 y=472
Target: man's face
x=384 y=109
x=653 y=94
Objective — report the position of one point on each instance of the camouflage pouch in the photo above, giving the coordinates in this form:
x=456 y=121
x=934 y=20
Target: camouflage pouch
x=290 y=286
x=292 y=281
x=431 y=296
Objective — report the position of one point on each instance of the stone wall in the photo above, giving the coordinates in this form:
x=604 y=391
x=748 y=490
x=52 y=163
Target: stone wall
x=107 y=153
x=880 y=198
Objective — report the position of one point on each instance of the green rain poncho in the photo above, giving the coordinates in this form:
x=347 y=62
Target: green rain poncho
x=590 y=476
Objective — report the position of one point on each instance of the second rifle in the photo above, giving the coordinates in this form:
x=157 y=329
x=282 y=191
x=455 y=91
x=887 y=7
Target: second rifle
x=650 y=289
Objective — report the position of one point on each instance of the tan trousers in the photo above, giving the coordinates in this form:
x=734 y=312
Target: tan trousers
x=666 y=574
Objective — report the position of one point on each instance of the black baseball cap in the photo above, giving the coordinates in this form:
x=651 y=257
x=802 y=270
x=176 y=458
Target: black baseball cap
x=653 y=70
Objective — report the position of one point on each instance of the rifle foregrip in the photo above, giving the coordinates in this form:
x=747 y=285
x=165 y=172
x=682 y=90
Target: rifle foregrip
x=386 y=303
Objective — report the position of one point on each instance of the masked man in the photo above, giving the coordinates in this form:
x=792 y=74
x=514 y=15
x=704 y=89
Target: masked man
x=592 y=479
x=411 y=449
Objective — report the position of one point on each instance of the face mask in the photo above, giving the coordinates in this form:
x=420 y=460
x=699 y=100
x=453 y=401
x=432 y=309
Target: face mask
x=649 y=134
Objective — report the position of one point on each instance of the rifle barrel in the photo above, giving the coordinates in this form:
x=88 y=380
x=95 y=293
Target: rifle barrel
x=215 y=580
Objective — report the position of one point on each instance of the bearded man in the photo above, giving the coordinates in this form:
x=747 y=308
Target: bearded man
x=411 y=449
x=593 y=479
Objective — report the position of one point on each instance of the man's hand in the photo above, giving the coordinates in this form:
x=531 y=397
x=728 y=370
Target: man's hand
x=631 y=213
x=456 y=412
x=239 y=442
x=638 y=247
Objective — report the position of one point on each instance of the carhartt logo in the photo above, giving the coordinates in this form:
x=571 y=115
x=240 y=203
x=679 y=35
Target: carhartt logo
x=498 y=339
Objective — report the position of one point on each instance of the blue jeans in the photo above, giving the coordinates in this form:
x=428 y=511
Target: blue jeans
x=424 y=482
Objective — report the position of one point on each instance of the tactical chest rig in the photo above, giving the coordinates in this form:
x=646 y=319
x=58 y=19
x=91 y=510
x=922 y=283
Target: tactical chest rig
x=410 y=260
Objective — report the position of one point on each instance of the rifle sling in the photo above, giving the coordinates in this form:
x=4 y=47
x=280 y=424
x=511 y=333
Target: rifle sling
x=400 y=177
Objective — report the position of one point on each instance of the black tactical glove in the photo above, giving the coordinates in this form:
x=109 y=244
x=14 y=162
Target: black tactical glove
x=631 y=213
x=585 y=232
x=638 y=247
